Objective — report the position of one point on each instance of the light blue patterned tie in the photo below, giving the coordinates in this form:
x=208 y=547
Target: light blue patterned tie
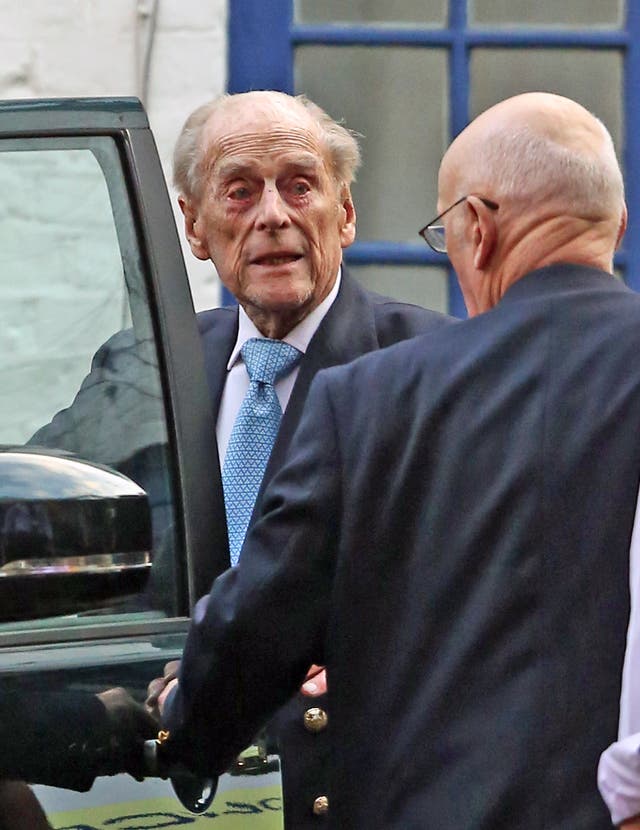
x=253 y=433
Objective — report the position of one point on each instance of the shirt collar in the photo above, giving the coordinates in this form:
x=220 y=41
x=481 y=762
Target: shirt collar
x=299 y=336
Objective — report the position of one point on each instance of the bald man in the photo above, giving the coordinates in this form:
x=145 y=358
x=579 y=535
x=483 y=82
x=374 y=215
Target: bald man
x=450 y=531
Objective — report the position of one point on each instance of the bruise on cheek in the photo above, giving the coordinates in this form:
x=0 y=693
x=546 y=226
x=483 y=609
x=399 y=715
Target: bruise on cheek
x=232 y=210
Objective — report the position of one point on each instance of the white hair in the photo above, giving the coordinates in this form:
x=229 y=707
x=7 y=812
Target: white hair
x=340 y=143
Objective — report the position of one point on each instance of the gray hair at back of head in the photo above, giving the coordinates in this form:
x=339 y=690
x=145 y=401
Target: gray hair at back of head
x=525 y=165
x=341 y=144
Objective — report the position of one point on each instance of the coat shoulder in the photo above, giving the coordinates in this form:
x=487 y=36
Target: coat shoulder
x=396 y=320
x=223 y=316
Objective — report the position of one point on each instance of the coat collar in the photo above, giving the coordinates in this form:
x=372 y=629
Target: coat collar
x=561 y=277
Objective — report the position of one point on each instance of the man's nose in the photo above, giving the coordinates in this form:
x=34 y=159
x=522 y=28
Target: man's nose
x=272 y=211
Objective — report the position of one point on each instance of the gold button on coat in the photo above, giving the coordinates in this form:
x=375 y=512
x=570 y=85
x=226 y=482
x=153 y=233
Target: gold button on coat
x=315 y=719
x=321 y=805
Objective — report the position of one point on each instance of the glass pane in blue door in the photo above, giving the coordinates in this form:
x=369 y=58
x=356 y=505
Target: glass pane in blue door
x=397 y=99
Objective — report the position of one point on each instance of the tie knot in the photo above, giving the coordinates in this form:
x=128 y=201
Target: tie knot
x=267 y=360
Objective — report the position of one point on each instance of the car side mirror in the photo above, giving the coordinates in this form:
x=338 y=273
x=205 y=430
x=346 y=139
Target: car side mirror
x=74 y=535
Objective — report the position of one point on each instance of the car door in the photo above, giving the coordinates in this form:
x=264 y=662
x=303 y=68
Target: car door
x=101 y=364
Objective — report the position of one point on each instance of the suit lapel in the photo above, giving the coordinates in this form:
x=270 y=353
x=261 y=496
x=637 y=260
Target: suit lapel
x=219 y=330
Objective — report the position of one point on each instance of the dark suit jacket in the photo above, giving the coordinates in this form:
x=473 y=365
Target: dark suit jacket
x=450 y=536
x=358 y=322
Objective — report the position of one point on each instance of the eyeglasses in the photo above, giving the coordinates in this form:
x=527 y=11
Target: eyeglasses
x=433 y=233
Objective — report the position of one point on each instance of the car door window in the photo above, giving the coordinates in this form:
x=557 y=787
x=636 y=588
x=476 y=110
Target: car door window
x=78 y=358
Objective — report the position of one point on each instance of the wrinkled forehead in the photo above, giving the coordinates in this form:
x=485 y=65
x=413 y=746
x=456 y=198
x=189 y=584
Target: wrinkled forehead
x=259 y=135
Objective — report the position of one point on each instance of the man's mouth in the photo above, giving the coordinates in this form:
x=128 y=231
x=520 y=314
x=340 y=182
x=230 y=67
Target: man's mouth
x=276 y=259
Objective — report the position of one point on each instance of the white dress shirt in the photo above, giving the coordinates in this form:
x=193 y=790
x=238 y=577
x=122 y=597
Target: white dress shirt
x=237 y=382
x=619 y=768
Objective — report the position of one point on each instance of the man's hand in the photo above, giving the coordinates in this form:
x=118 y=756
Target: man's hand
x=159 y=688
x=129 y=726
x=315 y=683
x=631 y=824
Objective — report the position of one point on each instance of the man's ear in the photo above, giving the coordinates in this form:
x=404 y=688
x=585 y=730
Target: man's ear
x=195 y=238
x=347 y=218
x=622 y=227
x=484 y=230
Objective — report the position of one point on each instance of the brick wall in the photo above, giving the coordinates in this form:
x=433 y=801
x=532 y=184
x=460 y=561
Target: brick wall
x=51 y=48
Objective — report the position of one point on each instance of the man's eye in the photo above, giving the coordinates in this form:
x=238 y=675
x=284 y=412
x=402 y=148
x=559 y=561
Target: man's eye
x=300 y=188
x=239 y=193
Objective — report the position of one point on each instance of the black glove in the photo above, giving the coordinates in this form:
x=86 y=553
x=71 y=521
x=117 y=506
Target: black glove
x=128 y=726
x=66 y=739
